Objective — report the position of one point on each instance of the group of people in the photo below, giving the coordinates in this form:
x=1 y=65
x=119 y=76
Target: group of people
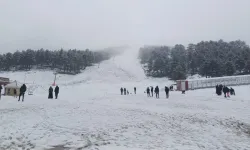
x=227 y=92
x=125 y=91
x=151 y=90
x=24 y=88
x=51 y=92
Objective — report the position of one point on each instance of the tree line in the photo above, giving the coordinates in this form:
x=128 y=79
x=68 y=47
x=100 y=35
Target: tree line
x=206 y=58
x=69 y=62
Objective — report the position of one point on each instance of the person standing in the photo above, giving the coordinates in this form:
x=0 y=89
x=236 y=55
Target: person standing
x=135 y=90
x=226 y=91
x=56 y=91
x=121 y=91
x=167 y=91
x=152 y=91
x=217 y=89
x=125 y=91
x=50 y=93
x=22 y=92
x=157 y=91
x=171 y=88
x=232 y=92
x=148 y=92
x=220 y=88
x=1 y=91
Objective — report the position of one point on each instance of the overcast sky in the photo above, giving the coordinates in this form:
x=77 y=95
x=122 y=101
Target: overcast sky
x=91 y=24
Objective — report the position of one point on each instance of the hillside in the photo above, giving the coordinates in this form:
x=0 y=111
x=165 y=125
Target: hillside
x=91 y=114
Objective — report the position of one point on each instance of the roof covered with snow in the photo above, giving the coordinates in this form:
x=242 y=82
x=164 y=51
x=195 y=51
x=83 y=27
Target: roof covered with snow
x=224 y=77
x=14 y=84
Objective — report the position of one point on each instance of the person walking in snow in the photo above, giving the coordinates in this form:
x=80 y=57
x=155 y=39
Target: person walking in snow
x=157 y=91
x=121 y=91
x=148 y=92
x=171 y=88
x=56 y=91
x=167 y=91
x=152 y=91
x=1 y=91
x=127 y=92
x=232 y=92
x=220 y=89
x=124 y=91
x=50 y=93
x=217 y=89
x=226 y=91
x=135 y=90
x=22 y=92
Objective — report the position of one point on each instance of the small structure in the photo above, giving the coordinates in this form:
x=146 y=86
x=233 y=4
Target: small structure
x=192 y=84
x=182 y=85
x=11 y=87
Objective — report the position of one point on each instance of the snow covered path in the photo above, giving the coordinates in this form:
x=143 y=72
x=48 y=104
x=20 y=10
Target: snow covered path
x=197 y=120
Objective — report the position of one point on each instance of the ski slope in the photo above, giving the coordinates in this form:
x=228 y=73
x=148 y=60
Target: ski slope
x=91 y=114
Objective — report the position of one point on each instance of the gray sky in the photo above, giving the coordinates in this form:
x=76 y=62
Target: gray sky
x=91 y=24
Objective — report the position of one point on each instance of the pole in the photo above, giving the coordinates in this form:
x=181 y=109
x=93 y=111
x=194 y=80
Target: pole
x=54 y=84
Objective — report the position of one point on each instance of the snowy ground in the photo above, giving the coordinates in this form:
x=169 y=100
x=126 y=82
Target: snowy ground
x=90 y=113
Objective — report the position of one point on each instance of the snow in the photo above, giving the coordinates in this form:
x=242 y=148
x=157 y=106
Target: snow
x=14 y=84
x=91 y=114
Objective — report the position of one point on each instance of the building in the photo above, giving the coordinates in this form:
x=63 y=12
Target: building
x=4 y=81
x=193 y=84
x=11 y=87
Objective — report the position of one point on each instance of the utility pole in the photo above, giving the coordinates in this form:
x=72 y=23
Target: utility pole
x=54 y=84
x=24 y=78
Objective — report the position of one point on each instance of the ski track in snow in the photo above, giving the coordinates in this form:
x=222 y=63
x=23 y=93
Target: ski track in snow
x=90 y=113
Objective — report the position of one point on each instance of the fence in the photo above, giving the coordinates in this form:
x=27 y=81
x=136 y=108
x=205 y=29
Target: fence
x=212 y=82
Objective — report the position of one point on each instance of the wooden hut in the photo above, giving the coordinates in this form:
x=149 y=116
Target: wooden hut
x=11 y=87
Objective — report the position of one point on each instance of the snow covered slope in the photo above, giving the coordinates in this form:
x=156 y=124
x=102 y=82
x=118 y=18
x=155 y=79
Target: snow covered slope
x=120 y=71
x=91 y=114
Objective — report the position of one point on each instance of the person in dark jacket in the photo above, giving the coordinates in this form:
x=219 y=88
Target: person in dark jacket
x=171 y=88
x=135 y=90
x=50 y=93
x=167 y=91
x=1 y=91
x=124 y=91
x=232 y=92
x=148 y=92
x=220 y=87
x=217 y=89
x=56 y=91
x=226 y=91
x=157 y=91
x=121 y=91
x=152 y=91
x=22 y=92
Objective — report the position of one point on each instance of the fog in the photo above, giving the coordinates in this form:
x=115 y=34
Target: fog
x=81 y=24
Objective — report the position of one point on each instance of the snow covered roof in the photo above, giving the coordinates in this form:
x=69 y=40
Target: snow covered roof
x=14 y=84
x=4 y=80
x=225 y=77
